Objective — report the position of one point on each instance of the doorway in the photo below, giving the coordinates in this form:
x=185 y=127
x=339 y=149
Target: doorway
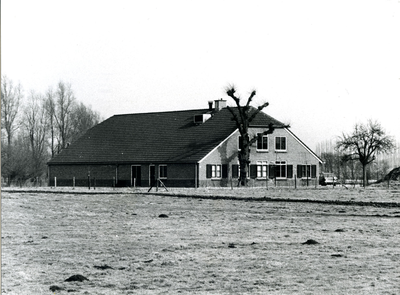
x=136 y=179
x=152 y=175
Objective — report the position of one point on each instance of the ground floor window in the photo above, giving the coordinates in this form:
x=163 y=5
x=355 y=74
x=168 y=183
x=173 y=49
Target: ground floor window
x=262 y=169
x=217 y=171
x=280 y=169
x=306 y=171
x=163 y=171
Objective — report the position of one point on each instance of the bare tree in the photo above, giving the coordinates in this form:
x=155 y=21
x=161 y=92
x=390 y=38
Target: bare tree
x=50 y=107
x=364 y=143
x=82 y=119
x=243 y=116
x=11 y=97
x=35 y=124
x=64 y=105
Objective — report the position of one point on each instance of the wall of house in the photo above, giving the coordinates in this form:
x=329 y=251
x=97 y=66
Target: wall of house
x=295 y=154
x=82 y=175
x=178 y=175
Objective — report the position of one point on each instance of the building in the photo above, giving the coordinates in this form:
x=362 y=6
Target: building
x=192 y=148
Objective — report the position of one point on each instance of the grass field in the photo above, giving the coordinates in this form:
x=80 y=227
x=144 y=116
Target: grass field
x=121 y=245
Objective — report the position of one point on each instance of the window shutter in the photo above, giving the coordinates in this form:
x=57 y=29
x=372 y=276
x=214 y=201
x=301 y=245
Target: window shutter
x=313 y=171
x=299 y=170
x=208 y=171
x=235 y=171
x=289 y=171
x=271 y=171
x=224 y=171
x=253 y=171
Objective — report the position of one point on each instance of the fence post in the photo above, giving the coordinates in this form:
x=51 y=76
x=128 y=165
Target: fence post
x=295 y=181
x=73 y=182
x=55 y=182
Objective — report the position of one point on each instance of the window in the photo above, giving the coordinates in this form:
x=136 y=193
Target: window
x=280 y=143
x=216 y=171
x=262 y=142
x=262 y=169
x=236 y=171
x=280 y=169
x=163 y=171
x=240 y=142
x=306 y=171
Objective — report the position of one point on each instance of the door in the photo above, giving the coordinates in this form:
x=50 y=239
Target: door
x=152 y=175
x=136 y=175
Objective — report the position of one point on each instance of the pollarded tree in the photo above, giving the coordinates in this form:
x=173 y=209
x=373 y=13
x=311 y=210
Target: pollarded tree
x=243 y=116
x=364 y=143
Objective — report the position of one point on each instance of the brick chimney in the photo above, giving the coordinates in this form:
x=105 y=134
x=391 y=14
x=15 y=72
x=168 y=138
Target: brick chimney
x=220 y=104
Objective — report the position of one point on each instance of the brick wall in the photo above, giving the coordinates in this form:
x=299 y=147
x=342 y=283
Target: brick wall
x=296 y=154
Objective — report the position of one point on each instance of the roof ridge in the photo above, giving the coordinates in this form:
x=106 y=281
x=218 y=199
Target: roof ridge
x=162 y=112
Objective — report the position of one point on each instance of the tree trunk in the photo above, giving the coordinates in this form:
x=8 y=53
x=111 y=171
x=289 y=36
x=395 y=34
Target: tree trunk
x=244 y=159
x=364 y=167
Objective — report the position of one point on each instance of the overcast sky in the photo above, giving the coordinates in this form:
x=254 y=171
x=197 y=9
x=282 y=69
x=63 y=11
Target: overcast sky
x=322 y=65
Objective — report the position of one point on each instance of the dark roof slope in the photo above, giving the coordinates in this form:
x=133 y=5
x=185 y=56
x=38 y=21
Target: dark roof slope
x=154 y=137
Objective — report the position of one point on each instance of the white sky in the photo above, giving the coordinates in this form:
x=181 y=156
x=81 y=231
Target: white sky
x=322 y=65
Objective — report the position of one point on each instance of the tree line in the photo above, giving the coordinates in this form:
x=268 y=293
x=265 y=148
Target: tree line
x=37 y=126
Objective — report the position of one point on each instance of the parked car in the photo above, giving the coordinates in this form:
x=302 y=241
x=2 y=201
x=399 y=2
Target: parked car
x=328 y=179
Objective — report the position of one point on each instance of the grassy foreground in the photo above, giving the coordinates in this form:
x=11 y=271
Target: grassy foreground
x=130 y=243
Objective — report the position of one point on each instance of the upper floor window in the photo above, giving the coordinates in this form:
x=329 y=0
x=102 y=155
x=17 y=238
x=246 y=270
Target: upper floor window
x=280 y=143
x=262 y=142
x=240 y=142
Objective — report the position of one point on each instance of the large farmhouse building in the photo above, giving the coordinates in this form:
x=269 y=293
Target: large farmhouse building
x=190 y=148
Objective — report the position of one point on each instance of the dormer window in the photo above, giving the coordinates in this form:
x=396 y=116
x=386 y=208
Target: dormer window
x=199 y=119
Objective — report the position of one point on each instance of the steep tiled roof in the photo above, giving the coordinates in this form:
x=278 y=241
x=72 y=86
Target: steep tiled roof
x=168 y=137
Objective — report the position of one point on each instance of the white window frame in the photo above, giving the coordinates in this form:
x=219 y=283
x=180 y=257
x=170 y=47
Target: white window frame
x=262 y=169
x=286 y=143
x=280 y=164
x=262 y=141
x=159 y=171
x=216 y=171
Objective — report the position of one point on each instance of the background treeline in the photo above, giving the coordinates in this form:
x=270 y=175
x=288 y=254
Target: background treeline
x=37 y=126
x=335 y=163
